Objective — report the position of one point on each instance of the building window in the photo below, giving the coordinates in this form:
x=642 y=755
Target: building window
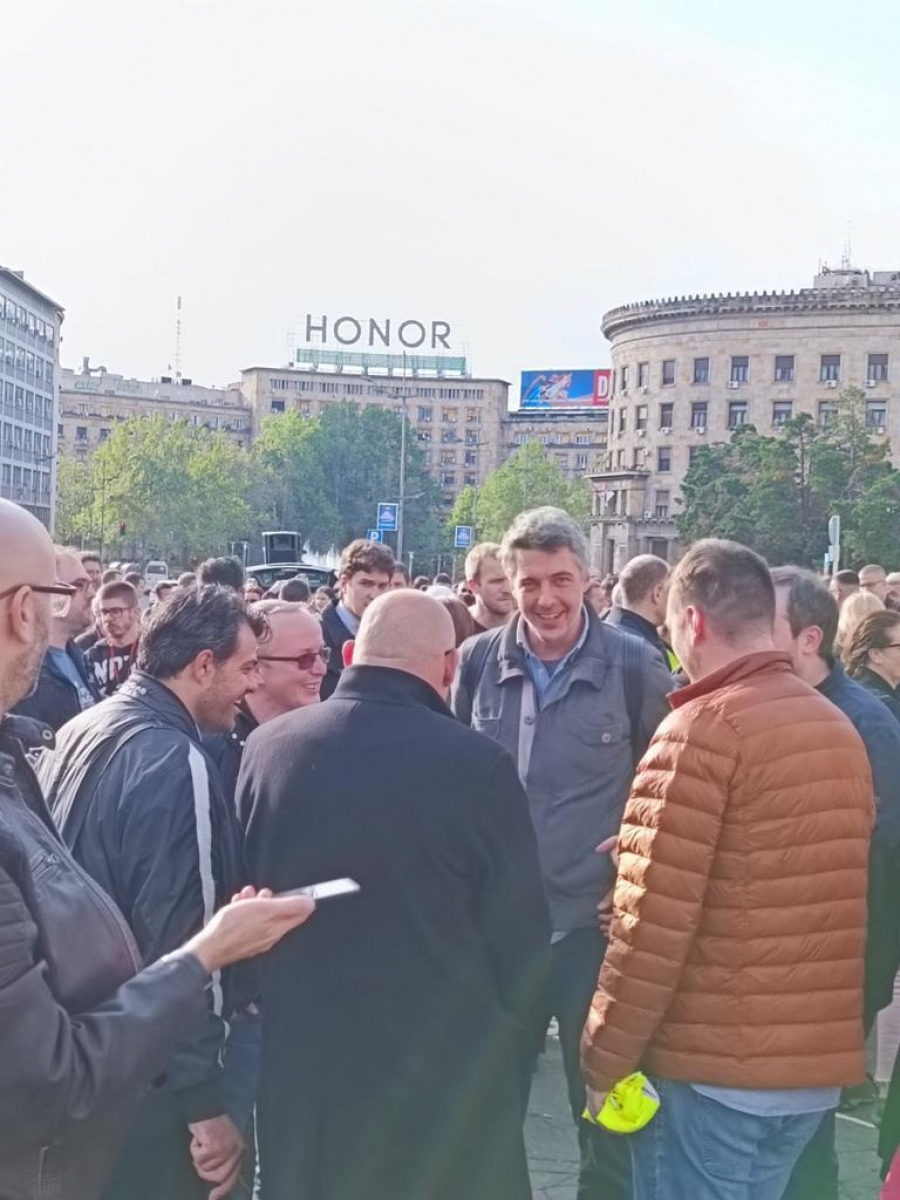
x=81 y=433
x=737 y=414
x=424 y=435
x=668 y=373
x=521 y=439
x=448 y=478
x=624 y=378
x=448 y=435
x=664 y=458
x=878 y=368
x=640 y=417
x=666 y=416
x=827 y=413
x=424 y=413
x=448 y=458
x=701 y=370
x=740 y=368
x=278 y=406
x=620 y=458
x=784 y=368
x=471 y=479
x=643 y=375
x=450 y=415
x=830 y=368
x=471 y=437
x=582 y=439
x=471 y=458
x=473 y=415
x=623 y=418
x=104 y=434
x=661 y=509
x=782 y=411
x=693 y=451
x=699 y=415
x=580 y=462
x=876 y=416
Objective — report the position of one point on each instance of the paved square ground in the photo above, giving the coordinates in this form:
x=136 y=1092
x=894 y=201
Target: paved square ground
x=553 y=1152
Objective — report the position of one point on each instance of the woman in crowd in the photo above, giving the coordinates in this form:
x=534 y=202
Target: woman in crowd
x=872 y=656
x=854 y=608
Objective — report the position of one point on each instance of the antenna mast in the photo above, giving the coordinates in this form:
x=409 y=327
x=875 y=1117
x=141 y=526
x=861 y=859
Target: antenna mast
x=178 y=340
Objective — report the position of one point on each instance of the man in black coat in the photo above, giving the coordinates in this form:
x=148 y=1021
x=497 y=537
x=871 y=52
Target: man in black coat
x=365 y=572
x=392 y=1061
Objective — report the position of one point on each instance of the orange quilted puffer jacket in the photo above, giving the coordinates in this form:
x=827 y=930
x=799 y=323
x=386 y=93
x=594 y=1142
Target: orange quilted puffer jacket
x=736 y=950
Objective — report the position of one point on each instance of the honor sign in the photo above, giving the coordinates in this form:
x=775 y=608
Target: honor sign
x=370 y=332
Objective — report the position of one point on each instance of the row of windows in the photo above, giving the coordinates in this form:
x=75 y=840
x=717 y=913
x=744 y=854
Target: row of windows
x=448 y=479
x=26 y=478
x=449 y=436
x=17 y=358
x=334 y=388
x=617 y=504
x=26 y=403
x=783 y=370
x=25 y=439
x=449 y=416
x=448 y=458
x=738 y=414
x=18 y=317
x=551 y=439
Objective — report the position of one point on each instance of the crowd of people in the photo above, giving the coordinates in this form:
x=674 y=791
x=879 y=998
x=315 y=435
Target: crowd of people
x=661 y=808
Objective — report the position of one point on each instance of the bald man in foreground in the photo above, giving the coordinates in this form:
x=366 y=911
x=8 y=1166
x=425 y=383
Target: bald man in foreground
x=391 y=1056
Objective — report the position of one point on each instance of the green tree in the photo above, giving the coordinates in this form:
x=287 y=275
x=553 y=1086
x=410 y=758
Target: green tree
x=179 y=490
x=74 y=502
x=529 y=478
x=289 y=488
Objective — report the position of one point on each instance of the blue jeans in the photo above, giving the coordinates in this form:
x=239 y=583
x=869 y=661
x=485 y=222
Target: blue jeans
x=697 y=1149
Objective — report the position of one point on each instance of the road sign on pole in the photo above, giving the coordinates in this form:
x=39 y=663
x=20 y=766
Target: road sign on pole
x=462 y=537
x=834 y=538
x=374 y=535
x=387 y=518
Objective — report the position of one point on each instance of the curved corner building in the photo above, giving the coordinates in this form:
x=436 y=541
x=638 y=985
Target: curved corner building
x=688 y=371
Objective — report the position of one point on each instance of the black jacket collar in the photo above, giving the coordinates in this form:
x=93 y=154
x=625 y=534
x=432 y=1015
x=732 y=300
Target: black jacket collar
x=875 y=683
x=386 y=685
x=160 y=700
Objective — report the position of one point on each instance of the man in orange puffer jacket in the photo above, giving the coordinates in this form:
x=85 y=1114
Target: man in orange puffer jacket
x=734 y=973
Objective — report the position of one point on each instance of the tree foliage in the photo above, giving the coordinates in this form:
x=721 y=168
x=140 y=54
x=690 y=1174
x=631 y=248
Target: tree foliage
x=528 y=479
x=776 y=493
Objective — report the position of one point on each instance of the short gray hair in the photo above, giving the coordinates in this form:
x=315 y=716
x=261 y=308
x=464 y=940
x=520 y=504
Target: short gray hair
x=545 y=528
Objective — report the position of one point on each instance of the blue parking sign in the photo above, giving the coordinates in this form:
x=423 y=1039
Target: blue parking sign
x=387 y=518
x=373 y=535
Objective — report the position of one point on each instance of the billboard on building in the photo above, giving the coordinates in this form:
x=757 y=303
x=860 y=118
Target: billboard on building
x=565 y=389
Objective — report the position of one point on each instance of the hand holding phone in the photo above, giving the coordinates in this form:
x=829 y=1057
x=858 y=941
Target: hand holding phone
x=326 y=891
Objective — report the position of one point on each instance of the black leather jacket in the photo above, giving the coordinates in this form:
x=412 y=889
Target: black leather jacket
x=81 y=1033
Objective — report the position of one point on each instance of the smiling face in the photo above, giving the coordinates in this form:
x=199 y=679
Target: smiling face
x=291 y=665
x=230 y=681
x=549 y=587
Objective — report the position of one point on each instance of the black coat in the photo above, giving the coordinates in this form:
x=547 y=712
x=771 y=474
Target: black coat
x=392 y=1021
x=335 y=634
x=81 y=1032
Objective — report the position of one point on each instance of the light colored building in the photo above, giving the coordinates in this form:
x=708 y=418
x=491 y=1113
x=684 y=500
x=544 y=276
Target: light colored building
x=576 y=440
x=93 y=400
x=455 y=418
x=29 y=369
x=689 y=371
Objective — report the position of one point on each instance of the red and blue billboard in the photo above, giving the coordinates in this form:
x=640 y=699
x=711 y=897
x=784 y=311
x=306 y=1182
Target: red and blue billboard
x=565 y=389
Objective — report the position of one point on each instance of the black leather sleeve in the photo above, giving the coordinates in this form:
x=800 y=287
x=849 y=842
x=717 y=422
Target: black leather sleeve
x=55 y=1067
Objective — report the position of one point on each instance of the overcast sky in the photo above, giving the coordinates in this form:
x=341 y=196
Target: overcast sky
x=515 y=167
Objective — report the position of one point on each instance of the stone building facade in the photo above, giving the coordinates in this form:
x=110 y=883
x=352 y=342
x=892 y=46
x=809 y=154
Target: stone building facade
x=456 y=419
x=93 y=400
x=687 y=372
x=29 y=385
x=576 y=440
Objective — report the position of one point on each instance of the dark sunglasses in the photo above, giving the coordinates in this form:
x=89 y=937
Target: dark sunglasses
x=303 y=661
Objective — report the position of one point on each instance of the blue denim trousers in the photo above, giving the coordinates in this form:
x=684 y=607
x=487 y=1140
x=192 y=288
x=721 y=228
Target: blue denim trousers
x=698 y=1149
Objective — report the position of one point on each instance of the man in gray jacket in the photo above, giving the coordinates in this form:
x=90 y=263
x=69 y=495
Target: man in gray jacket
x=575 y=702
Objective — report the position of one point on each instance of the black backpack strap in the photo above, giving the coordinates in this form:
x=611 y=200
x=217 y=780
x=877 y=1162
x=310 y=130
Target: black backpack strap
x=633 y=680
x=70 y=819
x=477 y=660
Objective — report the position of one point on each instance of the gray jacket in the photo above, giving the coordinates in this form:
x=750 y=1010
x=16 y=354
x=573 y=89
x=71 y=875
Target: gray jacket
x=576 y=754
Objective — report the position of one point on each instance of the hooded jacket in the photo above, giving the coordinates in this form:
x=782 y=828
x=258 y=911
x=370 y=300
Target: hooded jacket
x=739 y=928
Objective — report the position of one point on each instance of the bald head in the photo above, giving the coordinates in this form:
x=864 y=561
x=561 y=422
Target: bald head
x=411 y=632
x=28 y=559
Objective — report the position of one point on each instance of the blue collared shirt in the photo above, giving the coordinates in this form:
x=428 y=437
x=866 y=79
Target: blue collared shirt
x=548 y=679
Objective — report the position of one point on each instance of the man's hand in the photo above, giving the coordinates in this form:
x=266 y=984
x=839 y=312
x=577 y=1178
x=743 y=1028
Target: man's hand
x=217 y=1149
x=605 y=907
x=595 y=1102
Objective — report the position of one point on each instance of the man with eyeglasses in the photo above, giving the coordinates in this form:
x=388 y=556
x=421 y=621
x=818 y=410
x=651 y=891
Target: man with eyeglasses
x=293 y=660
x=119 y=613
x=65 y=686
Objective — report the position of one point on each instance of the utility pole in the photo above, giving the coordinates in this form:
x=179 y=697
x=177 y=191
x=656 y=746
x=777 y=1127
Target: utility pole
x=402 y=496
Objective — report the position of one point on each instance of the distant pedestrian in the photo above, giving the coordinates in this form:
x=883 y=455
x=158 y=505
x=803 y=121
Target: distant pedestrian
x=110 y=660
x=222 y=572
x=873 y=657
x=844 y=585
x=400 y=577
x=365 y=572
x=486 y=580
x=639 y=600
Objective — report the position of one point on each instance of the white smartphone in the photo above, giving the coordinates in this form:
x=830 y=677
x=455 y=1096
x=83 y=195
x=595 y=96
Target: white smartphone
x=326 y=891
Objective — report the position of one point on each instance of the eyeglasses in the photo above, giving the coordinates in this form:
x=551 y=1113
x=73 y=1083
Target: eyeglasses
x=114 y=612
x=889 y=646
x=60 y=595
x=304 y=661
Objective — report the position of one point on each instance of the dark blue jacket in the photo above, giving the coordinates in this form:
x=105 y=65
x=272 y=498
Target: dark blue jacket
x=880 y=732
x=55 y=699
x=632 y=622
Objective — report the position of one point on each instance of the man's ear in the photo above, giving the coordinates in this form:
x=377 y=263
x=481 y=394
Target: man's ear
x=451 y=662
x=347 y=652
